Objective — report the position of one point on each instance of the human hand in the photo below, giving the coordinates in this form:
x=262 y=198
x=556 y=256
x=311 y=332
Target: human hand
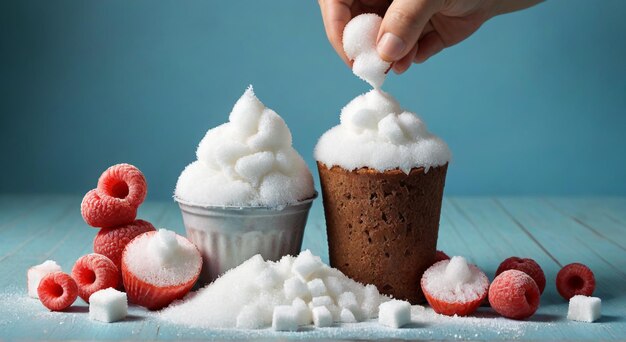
x=414 y=30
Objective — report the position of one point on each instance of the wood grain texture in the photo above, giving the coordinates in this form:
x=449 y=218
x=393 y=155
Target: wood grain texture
x=553 y=231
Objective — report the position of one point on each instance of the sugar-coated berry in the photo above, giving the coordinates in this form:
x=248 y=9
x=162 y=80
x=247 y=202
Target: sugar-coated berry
x=575 y=279
x=106 y=211
x=124 y=182
x=94 y=272
x=57 y=291
x=526 y=265
x=514 y=294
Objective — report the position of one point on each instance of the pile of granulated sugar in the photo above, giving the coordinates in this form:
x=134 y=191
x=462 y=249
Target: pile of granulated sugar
x=246 y=296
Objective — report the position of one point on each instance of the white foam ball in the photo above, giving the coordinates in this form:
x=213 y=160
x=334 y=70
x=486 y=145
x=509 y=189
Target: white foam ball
x=253 y=167
x=272 y=135
x=246 y=112
x=360 y=34
x=389 y=129
x=371 y=68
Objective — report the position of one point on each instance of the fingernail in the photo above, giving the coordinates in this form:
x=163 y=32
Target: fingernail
x=390 y=46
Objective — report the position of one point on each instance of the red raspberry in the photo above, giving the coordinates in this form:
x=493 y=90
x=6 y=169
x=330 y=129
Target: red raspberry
x=94 y=272
x=110 y=242
x=575 y=279
x=125 y=182
x=57 y=291
x=106 y=211
x=439 y=255
x=514 y=294
x=528 y=266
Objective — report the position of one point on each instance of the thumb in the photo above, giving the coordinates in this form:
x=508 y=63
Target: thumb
x=402 y=25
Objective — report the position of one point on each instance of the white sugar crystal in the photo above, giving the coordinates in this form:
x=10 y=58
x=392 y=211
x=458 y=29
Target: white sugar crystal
x=359 y=43
x=333 y=285
x=321 y=301
x=316 y=287
x=163 y=258
x=268 y=279
x=371 y=301
x=108 y=305
x=295 y=288
x=394 y=313
x=285 y=318
x=306 y=264
x=303 y=312
x=251 y=317
x=252 y=297
x=584 y=309
x=347 y=316
x=322 y=317
x=375 y=132
x=37 y=272
x=347 y=300
x=248 y=161
x=457 y=271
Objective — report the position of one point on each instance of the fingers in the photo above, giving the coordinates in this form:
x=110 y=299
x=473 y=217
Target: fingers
x=402 y=26
x=405 y=62
x=336 y=14
x=430 y=45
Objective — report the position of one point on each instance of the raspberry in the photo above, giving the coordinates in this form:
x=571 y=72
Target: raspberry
x=110 y=242
x=454 y=287
x=106 y=211
x=125 y=182
x=57 y=291
x=575 y=279
x=528 y=266
x=439 y=255
x=514 y=294
x=94 y=272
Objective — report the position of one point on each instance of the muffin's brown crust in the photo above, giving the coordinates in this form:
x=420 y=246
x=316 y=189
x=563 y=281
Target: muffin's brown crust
x=382 y=226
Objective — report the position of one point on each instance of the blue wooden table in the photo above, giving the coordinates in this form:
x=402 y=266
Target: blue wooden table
x=553 y=231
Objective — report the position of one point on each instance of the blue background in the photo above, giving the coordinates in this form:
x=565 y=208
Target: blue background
x=533 y=103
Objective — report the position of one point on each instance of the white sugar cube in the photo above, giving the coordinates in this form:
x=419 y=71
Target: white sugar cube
x=316 y=287
x=303 y=312
x=267 y=279
x=37 y=272
x=335 y=311
x=371 y=301
x=250 y=317
x=347 y=316
x=347 y=300
x=322 y=317
x=333 y=286
x=295 y=288
x=285 y=318
x=394 y=313
x=321 y=301
x=306 y=265
x=108 y=305
x=584 y=309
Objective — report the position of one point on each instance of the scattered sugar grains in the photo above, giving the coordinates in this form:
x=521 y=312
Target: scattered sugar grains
x=248 y=161
x=256 y=305
x=359 y=43
x=376 y=132
x=163 y=258
x=37 y=272
x=455 y=280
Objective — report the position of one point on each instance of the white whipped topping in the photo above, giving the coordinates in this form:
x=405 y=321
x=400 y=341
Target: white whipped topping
x=359 y=43
x=248 y=161
x=375 y=132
